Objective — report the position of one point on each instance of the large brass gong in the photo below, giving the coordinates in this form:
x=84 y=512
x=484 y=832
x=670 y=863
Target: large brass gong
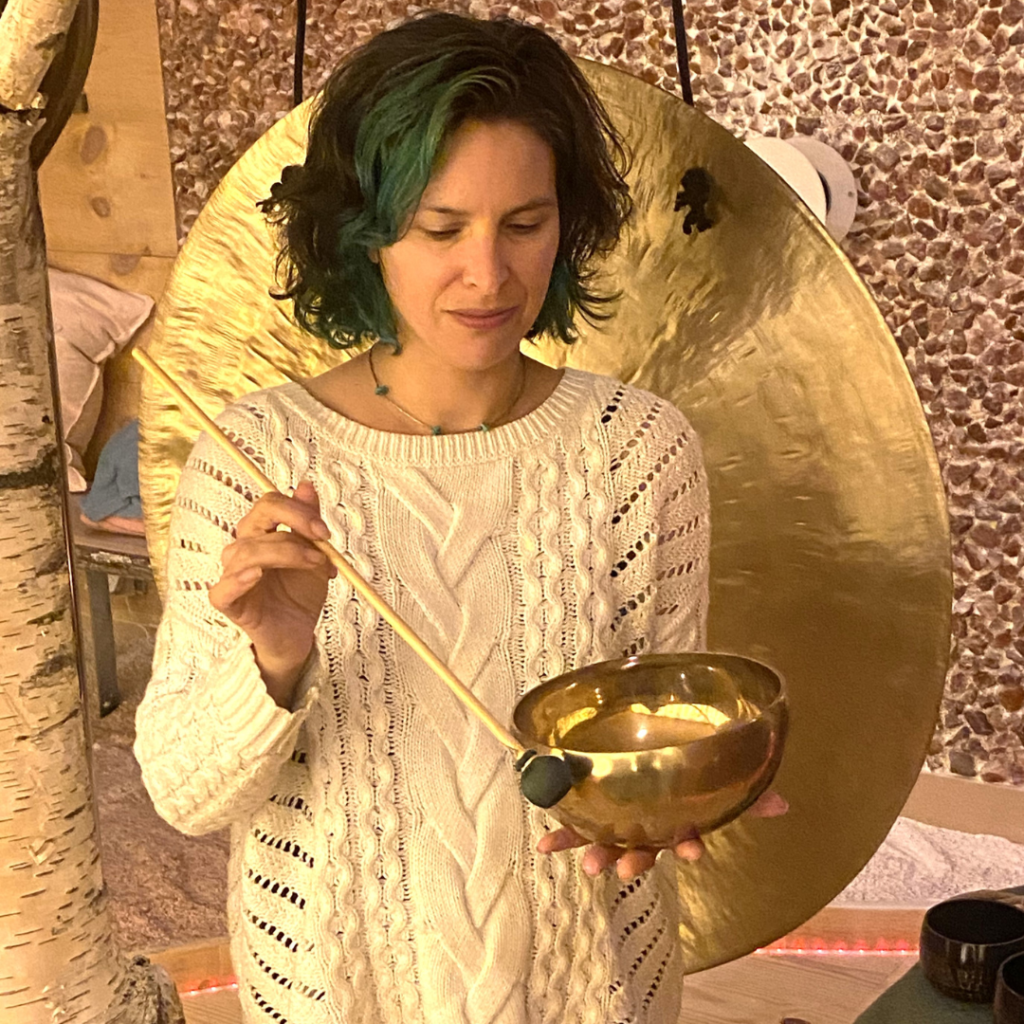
x=830 y=552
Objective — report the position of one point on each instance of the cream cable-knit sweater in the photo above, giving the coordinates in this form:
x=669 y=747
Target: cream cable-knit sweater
x=383 y=867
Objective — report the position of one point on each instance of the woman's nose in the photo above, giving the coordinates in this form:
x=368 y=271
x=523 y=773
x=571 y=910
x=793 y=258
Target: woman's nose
x=486 y=264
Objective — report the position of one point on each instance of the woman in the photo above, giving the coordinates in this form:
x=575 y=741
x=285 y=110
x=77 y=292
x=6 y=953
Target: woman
x=460 y=180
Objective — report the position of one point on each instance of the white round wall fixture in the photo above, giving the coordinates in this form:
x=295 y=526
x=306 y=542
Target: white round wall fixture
x=839 y=183
x=795 y=169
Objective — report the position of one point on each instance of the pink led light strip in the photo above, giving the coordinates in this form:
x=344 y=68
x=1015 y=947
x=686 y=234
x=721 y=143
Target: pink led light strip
x=205 y=988
x=815 y=945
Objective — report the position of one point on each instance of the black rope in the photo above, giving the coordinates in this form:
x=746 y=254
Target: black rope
x=681 y=52
x=300 y=49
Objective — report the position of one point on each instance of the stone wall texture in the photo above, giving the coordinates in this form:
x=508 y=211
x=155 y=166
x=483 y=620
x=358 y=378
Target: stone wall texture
x=924 y=99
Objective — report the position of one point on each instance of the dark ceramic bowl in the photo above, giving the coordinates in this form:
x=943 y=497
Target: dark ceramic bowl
x=963 y=943
x=1009 y=1007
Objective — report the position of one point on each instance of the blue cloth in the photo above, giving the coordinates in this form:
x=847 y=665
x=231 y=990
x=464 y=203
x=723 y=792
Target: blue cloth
x=912 y=1000
x=115 y=490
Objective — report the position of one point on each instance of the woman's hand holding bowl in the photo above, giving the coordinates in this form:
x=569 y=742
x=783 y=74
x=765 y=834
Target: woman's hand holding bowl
x=630 y=863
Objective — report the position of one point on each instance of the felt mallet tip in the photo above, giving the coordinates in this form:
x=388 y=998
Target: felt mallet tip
x=544 y=779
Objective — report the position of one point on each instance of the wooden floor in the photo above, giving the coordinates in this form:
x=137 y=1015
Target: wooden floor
x=218 y=1007
x=759 y=989
x=791 y=982
x=794 y=980
x=766 y=989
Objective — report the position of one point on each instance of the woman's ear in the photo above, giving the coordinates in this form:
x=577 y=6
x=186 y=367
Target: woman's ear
x=374 y=255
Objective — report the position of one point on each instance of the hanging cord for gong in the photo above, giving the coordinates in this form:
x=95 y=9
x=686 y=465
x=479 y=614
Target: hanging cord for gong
x=682 y=54
x=300 y=49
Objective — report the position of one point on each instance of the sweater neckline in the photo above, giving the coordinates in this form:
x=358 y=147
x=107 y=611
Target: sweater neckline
x=547 y=420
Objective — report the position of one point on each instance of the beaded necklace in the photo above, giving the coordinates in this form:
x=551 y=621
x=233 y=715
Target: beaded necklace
x=385 y=392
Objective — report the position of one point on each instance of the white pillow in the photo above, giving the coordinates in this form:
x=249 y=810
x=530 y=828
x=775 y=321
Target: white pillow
x=91 y=322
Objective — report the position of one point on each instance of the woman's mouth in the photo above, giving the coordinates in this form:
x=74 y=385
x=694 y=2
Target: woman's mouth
x=484 y=319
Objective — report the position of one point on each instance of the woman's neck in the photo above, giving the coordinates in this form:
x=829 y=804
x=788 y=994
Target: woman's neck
x=437 y=396
x=434 y=395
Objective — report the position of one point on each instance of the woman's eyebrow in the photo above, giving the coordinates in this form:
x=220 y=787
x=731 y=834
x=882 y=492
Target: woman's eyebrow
x=533 y=204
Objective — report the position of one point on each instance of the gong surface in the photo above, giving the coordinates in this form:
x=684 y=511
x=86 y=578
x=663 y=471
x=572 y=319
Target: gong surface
x=830 y=548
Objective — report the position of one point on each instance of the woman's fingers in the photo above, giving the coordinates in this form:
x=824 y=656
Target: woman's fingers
x=246 y=561
x=630 y=863
x=635 y=862
x=769 y=805
x=300 y=513
x=691 y=848
x=231 y=588
x=272 y=551
x=561 y=839
x=595 y=860
x=598 y=858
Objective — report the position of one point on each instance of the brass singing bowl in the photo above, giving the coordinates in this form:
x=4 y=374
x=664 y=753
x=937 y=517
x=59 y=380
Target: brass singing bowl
x=658 y=745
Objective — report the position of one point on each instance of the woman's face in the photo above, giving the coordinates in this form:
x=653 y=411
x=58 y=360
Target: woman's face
x=469 y=275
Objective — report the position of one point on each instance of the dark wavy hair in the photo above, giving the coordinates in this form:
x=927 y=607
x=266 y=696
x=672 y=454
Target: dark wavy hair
x=377 y=130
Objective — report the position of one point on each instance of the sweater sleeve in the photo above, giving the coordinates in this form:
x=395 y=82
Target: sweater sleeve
x=209 y=737
x=661 y=529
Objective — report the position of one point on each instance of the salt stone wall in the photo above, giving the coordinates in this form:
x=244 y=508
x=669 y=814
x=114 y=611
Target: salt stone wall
x=924 y=99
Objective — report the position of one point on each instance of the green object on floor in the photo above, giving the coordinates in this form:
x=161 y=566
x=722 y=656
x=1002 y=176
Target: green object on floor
x=912 y=1000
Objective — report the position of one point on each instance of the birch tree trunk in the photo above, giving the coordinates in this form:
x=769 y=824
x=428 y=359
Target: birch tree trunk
x=58 y=960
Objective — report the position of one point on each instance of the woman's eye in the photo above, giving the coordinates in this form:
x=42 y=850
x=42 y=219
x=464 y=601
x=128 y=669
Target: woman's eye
x=443 y=234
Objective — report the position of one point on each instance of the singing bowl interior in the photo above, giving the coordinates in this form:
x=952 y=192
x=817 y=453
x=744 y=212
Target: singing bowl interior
x=658 y=744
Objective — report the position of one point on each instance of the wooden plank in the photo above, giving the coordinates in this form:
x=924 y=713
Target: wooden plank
x=762 y=989
x=822 y=990
x=106 y=189
x=126 y=75
x=855 y=928
x=118 y=202
x=106 y=186
x=220 y=1007
x=129 y=271
x=968 y=805
x=199 y=965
